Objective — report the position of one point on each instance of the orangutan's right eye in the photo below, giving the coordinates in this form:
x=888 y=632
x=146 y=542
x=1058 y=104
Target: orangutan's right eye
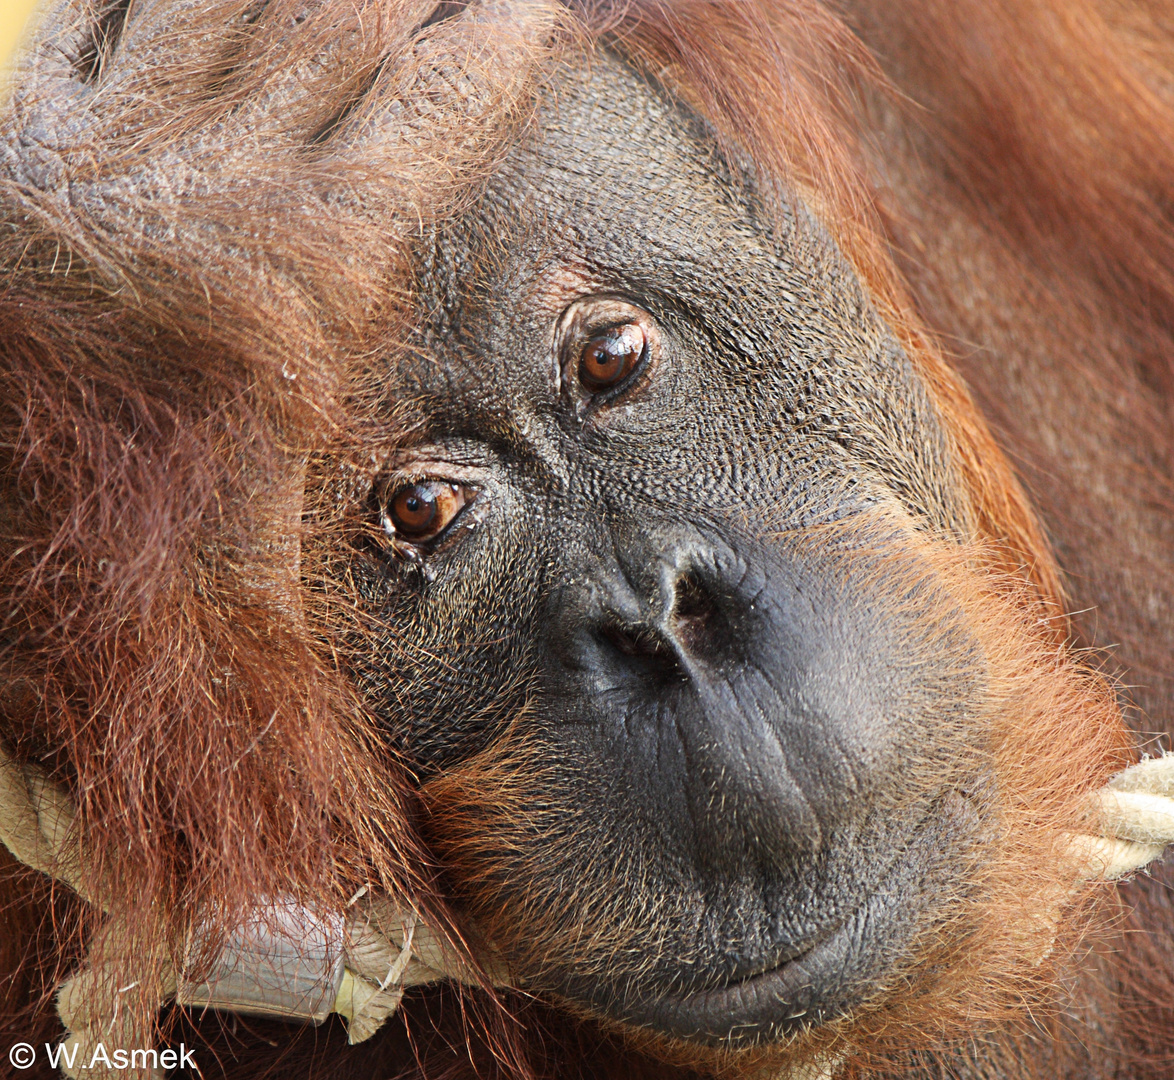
x=421 y=512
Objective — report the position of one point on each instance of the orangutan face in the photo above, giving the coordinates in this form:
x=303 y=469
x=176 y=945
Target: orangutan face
x=614 y=560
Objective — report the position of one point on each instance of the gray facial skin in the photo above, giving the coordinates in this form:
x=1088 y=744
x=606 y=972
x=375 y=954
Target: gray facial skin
x=720 y=688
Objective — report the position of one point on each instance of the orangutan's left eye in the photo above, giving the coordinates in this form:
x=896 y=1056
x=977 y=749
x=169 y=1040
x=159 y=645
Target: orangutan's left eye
x=609 y=358
x=606 y=348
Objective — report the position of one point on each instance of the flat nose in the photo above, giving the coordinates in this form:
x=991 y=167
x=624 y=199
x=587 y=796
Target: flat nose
x=685 y=621
x=675 y=664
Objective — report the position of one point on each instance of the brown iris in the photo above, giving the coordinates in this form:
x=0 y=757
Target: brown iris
x=609 y=358
x=422 y=511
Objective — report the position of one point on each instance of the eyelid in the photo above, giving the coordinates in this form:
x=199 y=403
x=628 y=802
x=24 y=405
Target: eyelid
x=413 y=469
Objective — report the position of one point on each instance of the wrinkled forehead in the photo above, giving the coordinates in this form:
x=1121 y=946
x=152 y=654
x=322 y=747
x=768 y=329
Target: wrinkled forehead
x=618 y=171
x=618 y=188
x=634 y=182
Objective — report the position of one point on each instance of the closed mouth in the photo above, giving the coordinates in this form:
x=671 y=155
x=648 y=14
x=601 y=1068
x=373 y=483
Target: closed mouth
x=835 y=973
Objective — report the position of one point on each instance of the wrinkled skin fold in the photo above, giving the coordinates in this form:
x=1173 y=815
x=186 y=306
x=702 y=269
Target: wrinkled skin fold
x=718 y=638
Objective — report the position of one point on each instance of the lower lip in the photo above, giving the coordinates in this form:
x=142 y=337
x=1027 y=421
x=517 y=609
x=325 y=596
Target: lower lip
x=835 y=974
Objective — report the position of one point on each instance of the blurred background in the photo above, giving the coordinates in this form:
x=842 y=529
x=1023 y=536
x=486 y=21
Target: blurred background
x=14 y=14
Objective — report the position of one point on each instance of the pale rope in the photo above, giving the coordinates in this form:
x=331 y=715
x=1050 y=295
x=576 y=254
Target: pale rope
x=385 y=948
x=1135 y=812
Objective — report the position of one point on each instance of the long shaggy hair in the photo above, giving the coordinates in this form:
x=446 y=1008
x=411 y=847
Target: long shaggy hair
x=205 y=253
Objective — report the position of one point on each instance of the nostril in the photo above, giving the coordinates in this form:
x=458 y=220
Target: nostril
x=643 y=650
x=698 y=622
x=633 y=640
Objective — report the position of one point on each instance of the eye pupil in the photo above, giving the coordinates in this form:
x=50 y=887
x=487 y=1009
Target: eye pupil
x=414 y=509
x=609 y=358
